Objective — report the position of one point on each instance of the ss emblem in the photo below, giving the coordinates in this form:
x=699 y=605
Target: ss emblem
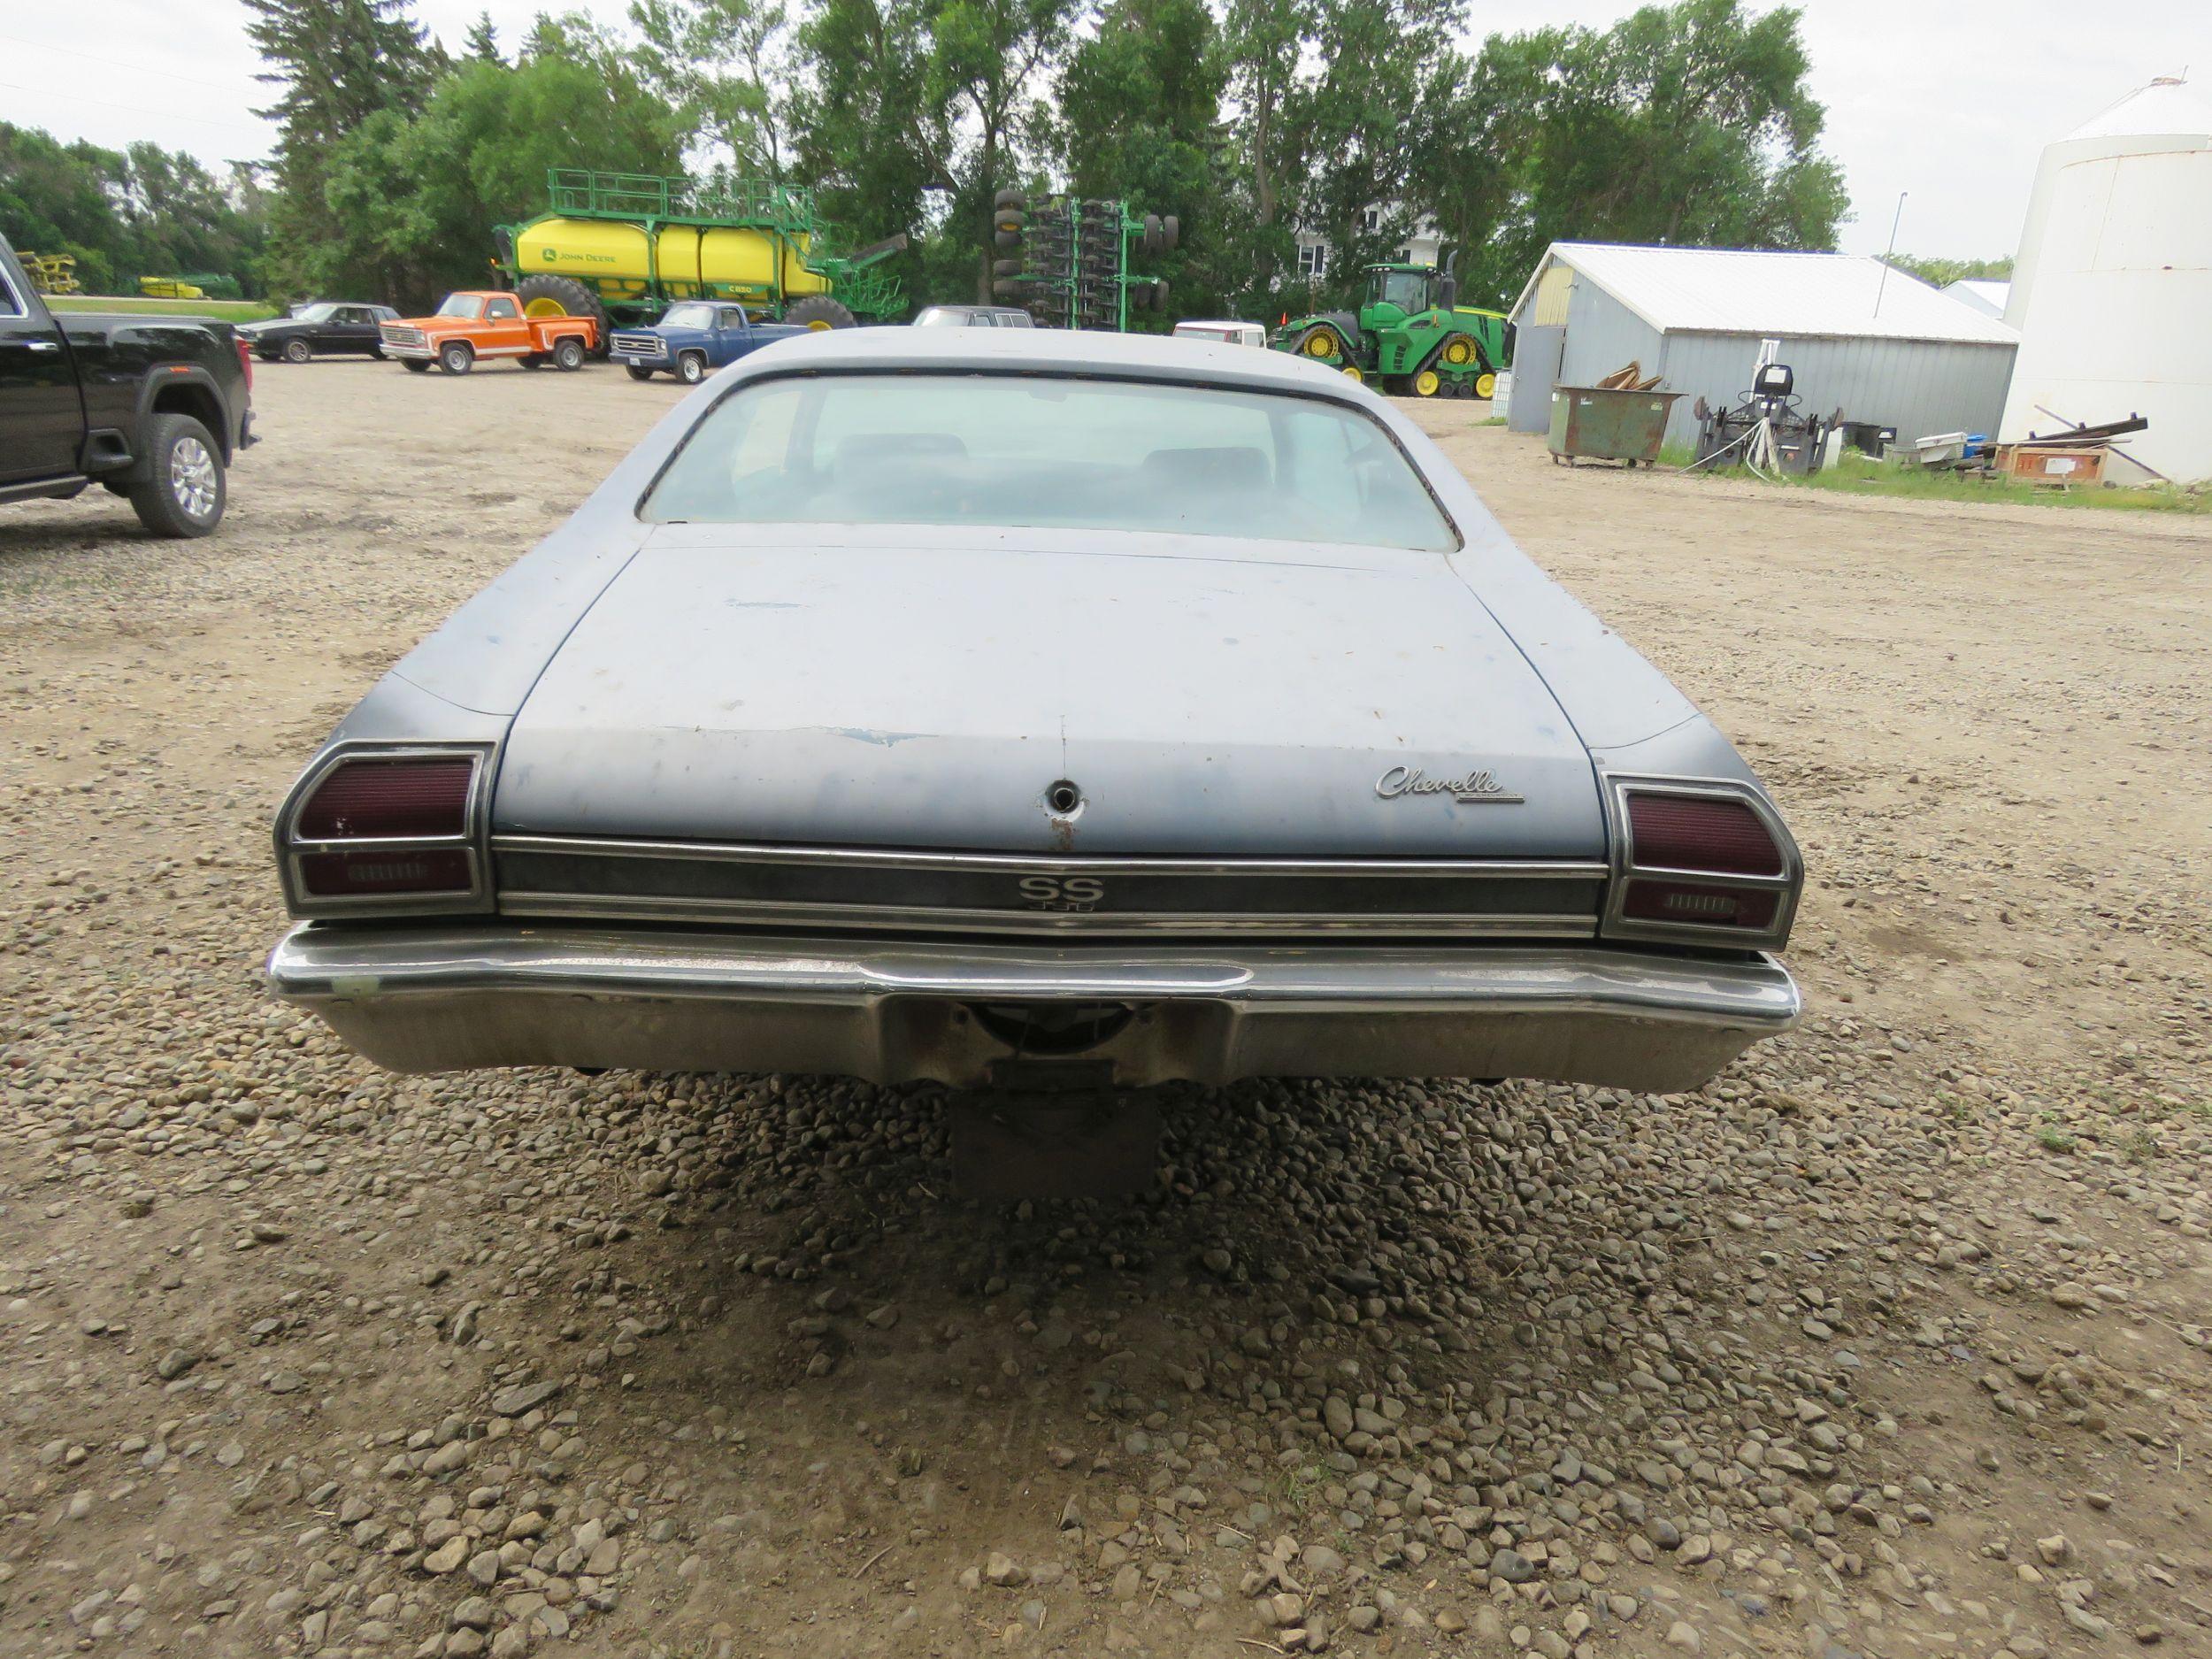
x=1075 y=893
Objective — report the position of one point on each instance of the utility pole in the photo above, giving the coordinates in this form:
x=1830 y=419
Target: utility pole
x=1882 y=287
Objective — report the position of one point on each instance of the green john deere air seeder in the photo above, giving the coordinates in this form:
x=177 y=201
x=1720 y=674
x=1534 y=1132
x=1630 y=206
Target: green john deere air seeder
x=1066 y=260
x=620 y=246
x=1410 y=335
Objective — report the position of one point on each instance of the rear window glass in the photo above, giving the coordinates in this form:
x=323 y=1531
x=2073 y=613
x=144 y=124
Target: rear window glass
x=1032 y=450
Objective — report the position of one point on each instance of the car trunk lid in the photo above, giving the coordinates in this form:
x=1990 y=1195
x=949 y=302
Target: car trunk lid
x=926 y=687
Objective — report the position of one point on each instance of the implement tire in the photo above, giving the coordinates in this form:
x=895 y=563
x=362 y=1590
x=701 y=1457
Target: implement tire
x=818 y=311
x=549 y=296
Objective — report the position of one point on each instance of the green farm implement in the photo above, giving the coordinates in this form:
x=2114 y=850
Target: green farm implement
x=620 y=246
x=1066 y=260
x=1410 y=335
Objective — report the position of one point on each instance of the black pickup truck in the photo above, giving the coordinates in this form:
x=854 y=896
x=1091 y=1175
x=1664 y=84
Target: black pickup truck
x=152 y=408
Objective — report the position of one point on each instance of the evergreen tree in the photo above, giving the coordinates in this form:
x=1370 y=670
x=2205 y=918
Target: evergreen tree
x=339 y=63
x=483 y=40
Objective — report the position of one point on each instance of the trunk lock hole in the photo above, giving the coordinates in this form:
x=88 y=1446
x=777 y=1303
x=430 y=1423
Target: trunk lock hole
x=1048 y=1030
x=1064 y=798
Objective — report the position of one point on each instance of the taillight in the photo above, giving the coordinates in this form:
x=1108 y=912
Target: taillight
x=245 y=361
x=1699 y=861
x=1677 y=832
x=391 y=829
x=390 y=798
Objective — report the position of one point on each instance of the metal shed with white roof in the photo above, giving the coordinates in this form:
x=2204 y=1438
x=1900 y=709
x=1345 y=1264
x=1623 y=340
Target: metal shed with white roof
x=1882 y=346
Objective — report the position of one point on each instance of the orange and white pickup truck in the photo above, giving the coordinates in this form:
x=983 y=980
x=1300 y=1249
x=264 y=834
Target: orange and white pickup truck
x=486 y=322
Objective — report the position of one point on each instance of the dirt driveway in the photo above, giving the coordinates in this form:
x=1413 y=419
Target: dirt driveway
x=1891 y=1341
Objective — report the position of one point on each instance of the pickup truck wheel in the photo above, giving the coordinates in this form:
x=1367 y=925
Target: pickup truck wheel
x=184 y=494
x=458 y=358
x=638 y=371
x=531 y=360
x=568 y=355
x=297 y=351
x=691 y=368
x=415 y=366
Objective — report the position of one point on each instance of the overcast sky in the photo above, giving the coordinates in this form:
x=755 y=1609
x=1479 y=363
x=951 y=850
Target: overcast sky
x=1950 y=103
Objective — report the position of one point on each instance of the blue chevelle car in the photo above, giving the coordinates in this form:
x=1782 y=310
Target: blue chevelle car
x=693 y=338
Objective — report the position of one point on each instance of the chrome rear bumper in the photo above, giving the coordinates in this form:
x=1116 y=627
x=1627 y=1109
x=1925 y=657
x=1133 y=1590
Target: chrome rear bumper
x=444 y=996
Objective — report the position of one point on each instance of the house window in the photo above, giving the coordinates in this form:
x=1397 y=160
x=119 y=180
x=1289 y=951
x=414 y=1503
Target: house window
x=1372 y=219
x=1313 y=259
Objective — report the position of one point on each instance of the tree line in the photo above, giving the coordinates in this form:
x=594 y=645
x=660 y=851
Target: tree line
x=1259 y=123
x=127 y=213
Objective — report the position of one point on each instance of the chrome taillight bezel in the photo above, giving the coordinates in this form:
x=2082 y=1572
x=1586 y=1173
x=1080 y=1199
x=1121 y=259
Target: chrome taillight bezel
x=1621 y=835
x=472 y=842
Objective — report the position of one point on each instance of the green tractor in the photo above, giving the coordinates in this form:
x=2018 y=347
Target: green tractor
x=1410 y=335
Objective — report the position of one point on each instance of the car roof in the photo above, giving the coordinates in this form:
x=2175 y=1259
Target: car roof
x=1074 y=351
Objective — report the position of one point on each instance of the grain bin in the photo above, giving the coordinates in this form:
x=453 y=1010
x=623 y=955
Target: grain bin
x=2113 y=284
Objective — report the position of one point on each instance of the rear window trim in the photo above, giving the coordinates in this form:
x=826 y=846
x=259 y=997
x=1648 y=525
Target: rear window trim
x=877 y=371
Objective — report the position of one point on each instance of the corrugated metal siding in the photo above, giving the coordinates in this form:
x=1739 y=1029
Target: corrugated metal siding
x=1916 y=386
x=1603 y=335
x=1535 y=365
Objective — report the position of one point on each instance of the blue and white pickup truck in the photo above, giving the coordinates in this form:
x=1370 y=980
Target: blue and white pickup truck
x=693 y=338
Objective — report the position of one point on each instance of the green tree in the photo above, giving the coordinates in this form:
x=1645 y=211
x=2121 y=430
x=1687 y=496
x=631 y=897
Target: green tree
x=124 y=214
x=417 y=197
x=722 y=65
x=339 y=63
x=1688 y=124
x=1139 y=104
x=482 y=40
x=985 y=63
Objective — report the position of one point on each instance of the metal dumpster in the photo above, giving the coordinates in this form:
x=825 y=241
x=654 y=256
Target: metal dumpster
x=1589 y=420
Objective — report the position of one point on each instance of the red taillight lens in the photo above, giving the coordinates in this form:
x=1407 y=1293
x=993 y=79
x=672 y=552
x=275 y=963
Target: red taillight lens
x=1677 y=832
x=364 y=798
x=245 y=362
x=432 y=870
x=1698 y=906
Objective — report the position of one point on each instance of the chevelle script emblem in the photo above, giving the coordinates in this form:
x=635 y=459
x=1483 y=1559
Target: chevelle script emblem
x=1477 y=788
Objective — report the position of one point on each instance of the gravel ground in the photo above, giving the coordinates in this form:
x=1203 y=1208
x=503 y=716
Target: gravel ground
x=1891 y=1341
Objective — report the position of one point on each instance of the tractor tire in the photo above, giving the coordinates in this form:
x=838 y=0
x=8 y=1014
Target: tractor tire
x=298 y=351
x=457 y=357
x=1158 y=302
x=1007 y=288
x=1427 y=383
x=547 y=296
x=1006 y=267
x=1458 y=351
x=818 y=311
x=1171 y=234
x=1352 y=373
x=1006 y=238
x=1151 y=240
x=638 y=371
x=1014 y=199
x=1485 y=386
x=1320 y=342
x=415 y=366
x=568 y=355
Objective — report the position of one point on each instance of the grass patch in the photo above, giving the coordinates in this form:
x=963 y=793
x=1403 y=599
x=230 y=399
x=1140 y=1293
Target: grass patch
x=2051 y=1138
x=1494 y=420
x=1856 y=474
x=133 y=305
